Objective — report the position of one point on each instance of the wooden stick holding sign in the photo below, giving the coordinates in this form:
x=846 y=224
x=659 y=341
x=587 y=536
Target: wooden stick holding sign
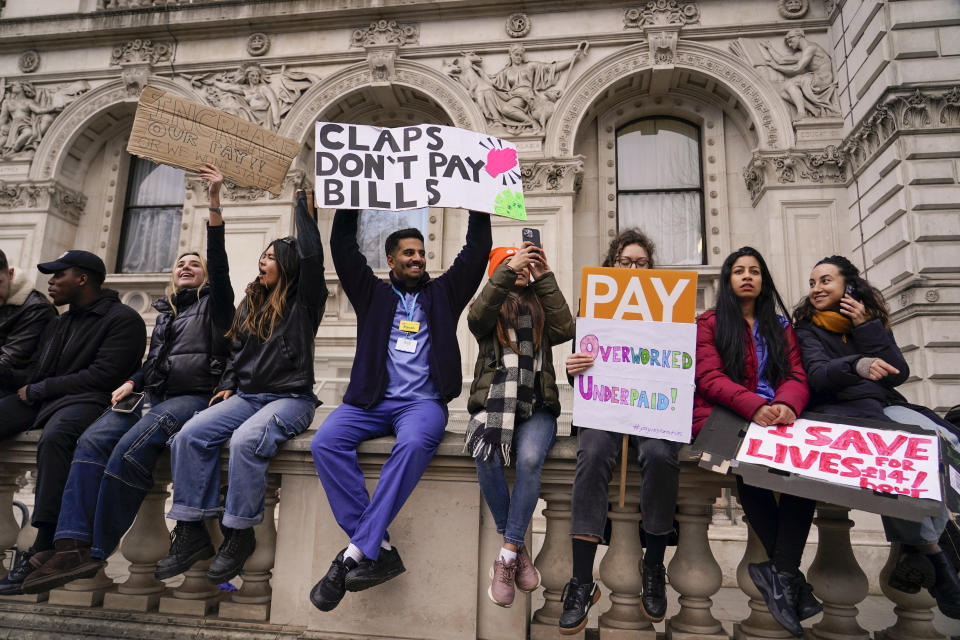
x=638 y=325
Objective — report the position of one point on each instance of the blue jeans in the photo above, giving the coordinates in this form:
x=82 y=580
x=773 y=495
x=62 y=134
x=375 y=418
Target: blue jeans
x=112 y=471
x=256 y=424
x=532 y=440
x=418 y=425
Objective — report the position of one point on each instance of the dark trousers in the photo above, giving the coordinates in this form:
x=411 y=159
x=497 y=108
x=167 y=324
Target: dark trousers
x=596 y=461
x=15 y=416
x=781 y=526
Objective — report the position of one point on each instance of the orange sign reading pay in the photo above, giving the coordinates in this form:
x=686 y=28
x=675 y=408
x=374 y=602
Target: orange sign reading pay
x=638 y=294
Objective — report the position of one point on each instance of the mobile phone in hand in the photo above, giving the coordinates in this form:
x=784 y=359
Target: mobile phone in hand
x=532 y=235
x=851 y=291
x=129 y=404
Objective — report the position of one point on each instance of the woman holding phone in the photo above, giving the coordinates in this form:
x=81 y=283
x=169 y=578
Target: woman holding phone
x=853 y=366
x=112 y=468
x=519 y=316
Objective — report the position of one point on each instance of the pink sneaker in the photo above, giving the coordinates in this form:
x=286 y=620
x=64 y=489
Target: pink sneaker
x=527 y=578
x=501 y=590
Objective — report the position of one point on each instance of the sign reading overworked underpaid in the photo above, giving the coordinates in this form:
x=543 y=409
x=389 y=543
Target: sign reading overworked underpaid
x=185 y=134
x=365 y=167
x=638 y=325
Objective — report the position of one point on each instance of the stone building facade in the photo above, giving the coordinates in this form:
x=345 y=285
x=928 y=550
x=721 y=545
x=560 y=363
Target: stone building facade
x=801 y=127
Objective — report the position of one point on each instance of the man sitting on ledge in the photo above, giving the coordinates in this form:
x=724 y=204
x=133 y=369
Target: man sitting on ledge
x=406 y=370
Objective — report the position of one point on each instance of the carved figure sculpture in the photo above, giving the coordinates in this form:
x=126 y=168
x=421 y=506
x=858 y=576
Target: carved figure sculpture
x=254 y=93
x=522 y=96
x=809 y=84
x=26 y=113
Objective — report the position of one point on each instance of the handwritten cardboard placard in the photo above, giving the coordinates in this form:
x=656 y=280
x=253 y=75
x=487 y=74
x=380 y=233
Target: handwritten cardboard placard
x=886 y=461
x=365 y=167
x=638 y=325
x=181 y=133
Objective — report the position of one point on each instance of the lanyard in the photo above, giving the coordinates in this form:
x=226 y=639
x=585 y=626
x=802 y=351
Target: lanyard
x=403 y=300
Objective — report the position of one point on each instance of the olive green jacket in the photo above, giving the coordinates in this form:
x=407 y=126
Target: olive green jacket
x=482 y=319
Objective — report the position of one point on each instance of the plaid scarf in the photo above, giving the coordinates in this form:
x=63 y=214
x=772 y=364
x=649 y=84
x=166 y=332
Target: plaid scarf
x=509 y=399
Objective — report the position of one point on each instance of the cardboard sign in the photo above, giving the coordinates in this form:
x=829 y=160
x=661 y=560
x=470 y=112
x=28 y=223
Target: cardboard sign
x=887 y=461
x=722 y=438
x=638 y=325
x=365 y=167
x=181 y=133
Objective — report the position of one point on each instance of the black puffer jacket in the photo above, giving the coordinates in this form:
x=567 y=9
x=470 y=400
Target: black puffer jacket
x=189 y=350
x=22 y=319
x=284 y=363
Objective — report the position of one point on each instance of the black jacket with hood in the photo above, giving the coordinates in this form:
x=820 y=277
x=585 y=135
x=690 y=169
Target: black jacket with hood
x=22 y=320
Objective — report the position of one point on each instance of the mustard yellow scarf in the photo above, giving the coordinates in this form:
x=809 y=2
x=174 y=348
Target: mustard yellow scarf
x=834 y=322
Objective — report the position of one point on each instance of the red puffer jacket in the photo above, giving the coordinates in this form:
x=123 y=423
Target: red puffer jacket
x=715 y=387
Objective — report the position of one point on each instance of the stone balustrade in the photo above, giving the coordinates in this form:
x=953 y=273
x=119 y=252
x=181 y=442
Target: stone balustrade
x=448 y=541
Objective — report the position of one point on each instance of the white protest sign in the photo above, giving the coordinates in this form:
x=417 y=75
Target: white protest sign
x=882 y=460
x=365 y=167
x=641 y=381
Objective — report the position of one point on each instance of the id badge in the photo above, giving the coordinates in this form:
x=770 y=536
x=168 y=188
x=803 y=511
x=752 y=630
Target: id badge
x=409 y=326
x=407 y=345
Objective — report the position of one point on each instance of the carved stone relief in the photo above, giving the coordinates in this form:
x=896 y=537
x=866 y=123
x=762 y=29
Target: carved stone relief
x=29 y=61
x=793 y=9
x=521 y=97
x=253 y=92
x=26 y=112
x=258 y=44
x=135 y=77
x=663 y=45
x=661 y=13
x=56 y=198
x=295 y=179
x=518 y=25
x=825 y=167
x=382 y=61
x=140 y=50
x=385 y=32
x=552 y=175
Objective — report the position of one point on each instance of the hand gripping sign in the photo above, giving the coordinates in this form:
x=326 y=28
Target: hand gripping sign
x=639 y=327
x=365 y=167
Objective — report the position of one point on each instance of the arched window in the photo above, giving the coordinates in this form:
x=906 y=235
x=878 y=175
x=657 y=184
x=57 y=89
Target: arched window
x=660 y=187
x=152 y=213
x=375 y=226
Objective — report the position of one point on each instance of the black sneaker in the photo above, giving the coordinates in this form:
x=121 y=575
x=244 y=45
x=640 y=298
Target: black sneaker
x=369 y=573
x=653 y=599
x=328 y=593
x=189 y=543
x=913 y=571
x=946 y=589
x=577 y=600
x=807 y=604
x=23 y=565
x=234 y=551
x=779 y=590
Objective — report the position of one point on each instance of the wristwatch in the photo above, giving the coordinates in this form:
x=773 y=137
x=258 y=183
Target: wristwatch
x=219 y=210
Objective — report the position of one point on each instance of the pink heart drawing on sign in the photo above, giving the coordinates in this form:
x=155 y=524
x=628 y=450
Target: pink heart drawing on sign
x=500 y=161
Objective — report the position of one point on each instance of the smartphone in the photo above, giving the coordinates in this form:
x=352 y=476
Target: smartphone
x=851 y=291
x=532 y=235
x=128 y=404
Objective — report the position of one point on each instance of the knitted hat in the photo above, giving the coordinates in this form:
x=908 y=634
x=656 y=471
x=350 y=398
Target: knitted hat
x=498 y=255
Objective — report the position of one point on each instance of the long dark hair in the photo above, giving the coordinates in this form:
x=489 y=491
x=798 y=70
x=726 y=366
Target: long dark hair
x=262 y=308
x=519 y=302
x=868 y=294
x=730 y=333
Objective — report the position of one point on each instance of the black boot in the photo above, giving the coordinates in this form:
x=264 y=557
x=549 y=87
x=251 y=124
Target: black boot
x=328 y=593
x=780 y=591
x=807 y=604
x=189 y=543
x=913 y=571
x=946 y=589
x=237 y=546
x=653 y=599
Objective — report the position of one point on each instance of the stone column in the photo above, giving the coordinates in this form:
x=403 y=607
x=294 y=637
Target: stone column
x=694 y=572
x=554 y=562
x=9 y=529
x=759 y=624
x=196 y=596
x=83 y=593
x=620 y=572
x=252 y=601
x=145 y=544
x=914 y=611
x=836 y=577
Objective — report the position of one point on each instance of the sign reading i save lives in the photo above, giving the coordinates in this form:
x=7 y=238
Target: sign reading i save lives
x=365 y=167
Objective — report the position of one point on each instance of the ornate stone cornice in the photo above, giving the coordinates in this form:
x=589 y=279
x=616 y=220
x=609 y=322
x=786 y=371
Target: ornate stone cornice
x=795 y=168
x=659 y=13
x=385 y=32
x=552 y=176
x=52 y=197
x=295 y=179
x=141 y=50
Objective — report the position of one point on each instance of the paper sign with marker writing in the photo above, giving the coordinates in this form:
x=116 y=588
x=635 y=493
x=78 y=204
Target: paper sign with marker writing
x=638 y=325
x=888 y=461
x=365 y=167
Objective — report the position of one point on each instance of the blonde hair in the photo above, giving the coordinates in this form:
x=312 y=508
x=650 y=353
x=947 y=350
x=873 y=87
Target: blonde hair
x=172 y=288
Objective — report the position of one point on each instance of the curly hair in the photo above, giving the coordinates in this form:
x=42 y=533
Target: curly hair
x=869 y=295
x=625 y=238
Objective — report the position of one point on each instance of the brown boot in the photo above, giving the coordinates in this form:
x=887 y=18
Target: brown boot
x=501 y=590
x=527 y=578
x=71 y=561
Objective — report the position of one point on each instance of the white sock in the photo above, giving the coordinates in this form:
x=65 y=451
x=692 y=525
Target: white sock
x=385 y=545
x=353 y=551
x=507 y=556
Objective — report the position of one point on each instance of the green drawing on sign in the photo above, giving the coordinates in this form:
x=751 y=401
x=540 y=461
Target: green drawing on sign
x=510 y=205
